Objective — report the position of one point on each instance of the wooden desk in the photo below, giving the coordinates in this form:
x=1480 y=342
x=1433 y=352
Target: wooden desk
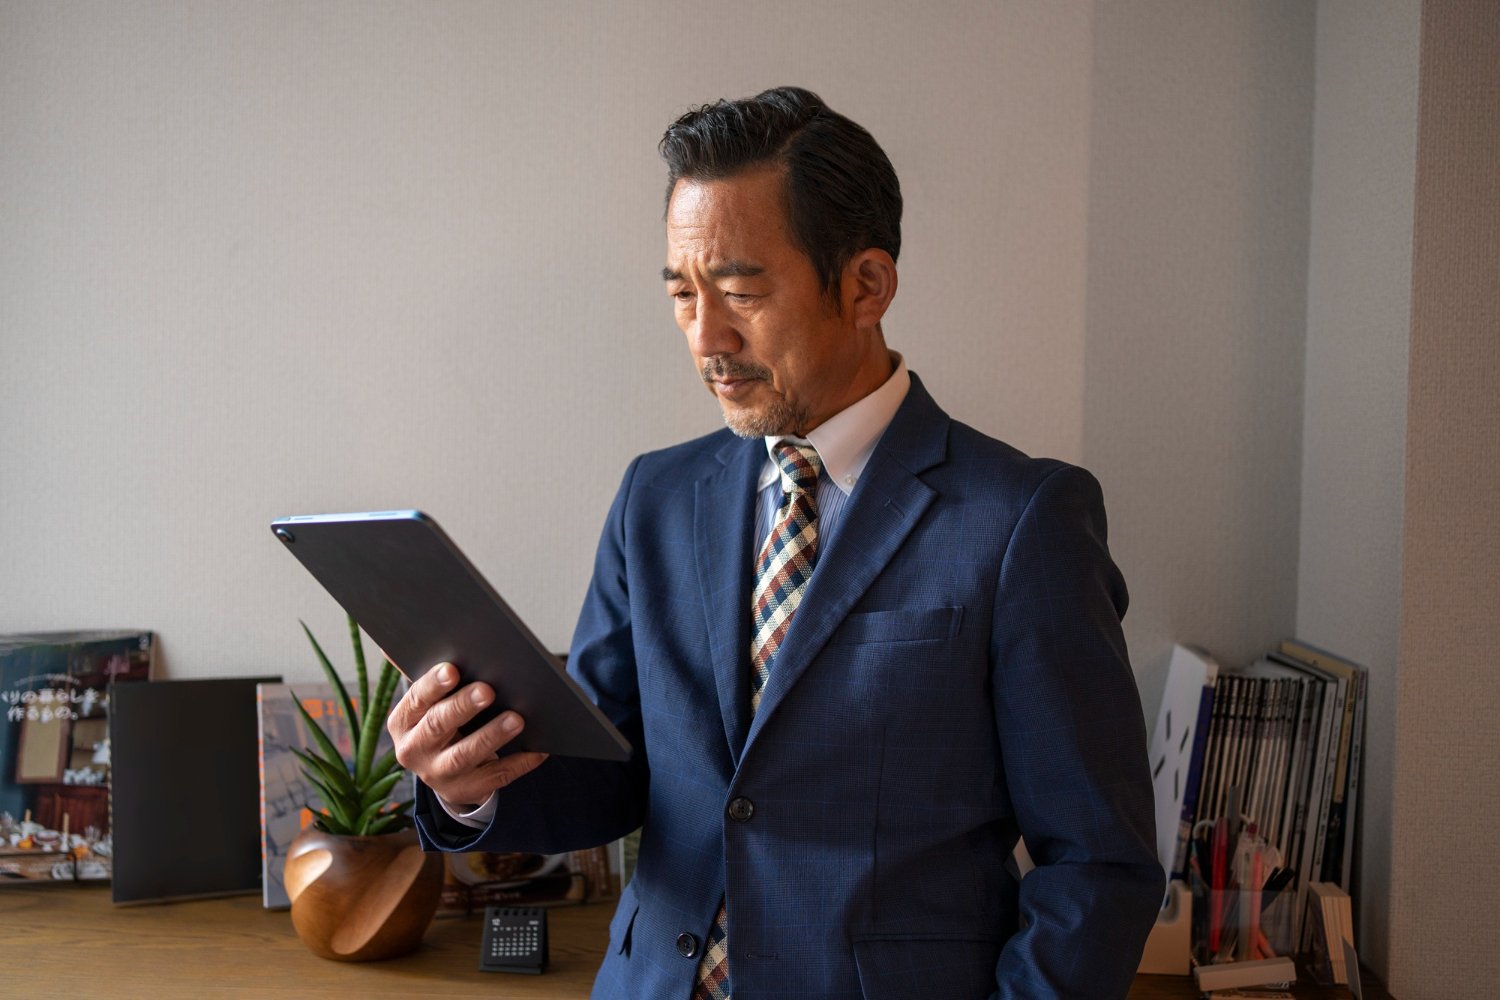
x=70 y=941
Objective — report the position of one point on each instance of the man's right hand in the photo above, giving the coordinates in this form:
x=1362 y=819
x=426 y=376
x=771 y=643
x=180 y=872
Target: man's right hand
x=462 y=770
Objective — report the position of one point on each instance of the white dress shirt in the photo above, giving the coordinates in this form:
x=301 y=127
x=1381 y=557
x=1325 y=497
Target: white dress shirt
x=844 y=443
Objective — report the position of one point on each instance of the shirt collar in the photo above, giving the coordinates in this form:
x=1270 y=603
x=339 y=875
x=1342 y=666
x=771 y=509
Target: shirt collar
x=845 y=441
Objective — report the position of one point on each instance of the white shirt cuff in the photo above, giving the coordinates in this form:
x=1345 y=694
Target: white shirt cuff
x=478 y=818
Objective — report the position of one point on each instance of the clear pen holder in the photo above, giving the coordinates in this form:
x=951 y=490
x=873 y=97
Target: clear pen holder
x=1239 y=925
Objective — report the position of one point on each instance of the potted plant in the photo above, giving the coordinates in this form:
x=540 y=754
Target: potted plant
x=361 y=887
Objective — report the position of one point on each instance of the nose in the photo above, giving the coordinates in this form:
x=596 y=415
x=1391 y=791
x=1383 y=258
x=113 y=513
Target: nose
x=711 y=330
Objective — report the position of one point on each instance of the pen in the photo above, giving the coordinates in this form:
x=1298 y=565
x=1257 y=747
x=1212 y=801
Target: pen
x=1216 y=887
x=1201 y=897
x=1253 y=887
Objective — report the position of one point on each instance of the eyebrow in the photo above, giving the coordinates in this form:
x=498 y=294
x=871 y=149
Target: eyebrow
x=728 y=269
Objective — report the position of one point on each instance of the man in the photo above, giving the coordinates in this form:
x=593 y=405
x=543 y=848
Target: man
x=859 y=648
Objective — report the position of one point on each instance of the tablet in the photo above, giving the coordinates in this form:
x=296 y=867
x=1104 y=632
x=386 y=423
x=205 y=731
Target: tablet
x=424 y=603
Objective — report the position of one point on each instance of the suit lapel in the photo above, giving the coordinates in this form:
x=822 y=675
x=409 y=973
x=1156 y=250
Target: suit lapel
x=886 y=505
x=723 y=521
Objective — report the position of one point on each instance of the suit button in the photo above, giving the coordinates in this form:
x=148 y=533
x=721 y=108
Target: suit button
x=741 y=809
x=687 y=945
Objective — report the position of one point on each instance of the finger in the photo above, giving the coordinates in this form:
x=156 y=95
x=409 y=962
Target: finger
x=475 y=786
x=479 y=747
x=425 y=692
x=516 y=765
x=469 y=768
x=421 y=748
x=439 y=726
x=418 y=749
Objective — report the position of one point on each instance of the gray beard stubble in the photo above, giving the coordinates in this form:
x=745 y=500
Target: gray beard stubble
x=779 y=417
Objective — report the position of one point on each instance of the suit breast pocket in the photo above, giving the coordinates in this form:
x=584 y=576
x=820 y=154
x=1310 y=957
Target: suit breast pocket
x=900 y=625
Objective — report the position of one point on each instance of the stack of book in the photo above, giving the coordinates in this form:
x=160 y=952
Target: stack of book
x=1277 y=744
x=1332 y=921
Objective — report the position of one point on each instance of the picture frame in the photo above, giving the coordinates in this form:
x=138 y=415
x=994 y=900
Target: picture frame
x=42 y=751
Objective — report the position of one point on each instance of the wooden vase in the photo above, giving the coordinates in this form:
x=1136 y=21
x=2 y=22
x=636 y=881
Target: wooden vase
x=359 y=899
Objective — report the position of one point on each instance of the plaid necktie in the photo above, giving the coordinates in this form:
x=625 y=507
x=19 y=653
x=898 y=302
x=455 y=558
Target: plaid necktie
x=785 y=563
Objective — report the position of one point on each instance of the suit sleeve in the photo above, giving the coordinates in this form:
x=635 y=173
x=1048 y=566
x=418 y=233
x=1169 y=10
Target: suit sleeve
x=1073 y=741
x=571 y=803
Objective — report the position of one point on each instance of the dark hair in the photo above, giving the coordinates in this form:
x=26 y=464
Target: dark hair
x=842 y=195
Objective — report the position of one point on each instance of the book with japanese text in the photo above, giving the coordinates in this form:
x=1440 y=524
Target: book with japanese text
x=55 y=690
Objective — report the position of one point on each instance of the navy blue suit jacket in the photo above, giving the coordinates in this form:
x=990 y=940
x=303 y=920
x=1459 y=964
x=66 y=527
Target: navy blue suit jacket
x=954 y=677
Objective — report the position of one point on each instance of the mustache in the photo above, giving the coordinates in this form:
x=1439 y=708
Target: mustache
x=719 y=368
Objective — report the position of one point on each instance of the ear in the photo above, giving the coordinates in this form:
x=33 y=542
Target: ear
x=869 y=286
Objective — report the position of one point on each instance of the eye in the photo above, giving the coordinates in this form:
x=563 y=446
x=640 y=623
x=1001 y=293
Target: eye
x=682 y=294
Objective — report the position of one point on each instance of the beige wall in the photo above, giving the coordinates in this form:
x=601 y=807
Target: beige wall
x=1200 y=144
x=1354 y=413
x=263 y=259
x=1447 y=811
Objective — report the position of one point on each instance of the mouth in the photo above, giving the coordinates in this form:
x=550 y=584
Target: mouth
x=730 y=386
x=731 y=381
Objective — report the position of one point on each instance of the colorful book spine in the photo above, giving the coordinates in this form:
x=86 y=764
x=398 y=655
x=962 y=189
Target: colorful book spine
x=1194 y=777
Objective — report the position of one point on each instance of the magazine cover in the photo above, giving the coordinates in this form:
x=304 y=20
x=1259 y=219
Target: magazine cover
x=287 y=799
x=479 y=879
x=54 y=749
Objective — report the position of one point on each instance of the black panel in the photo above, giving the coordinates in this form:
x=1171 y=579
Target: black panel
x=184 y=789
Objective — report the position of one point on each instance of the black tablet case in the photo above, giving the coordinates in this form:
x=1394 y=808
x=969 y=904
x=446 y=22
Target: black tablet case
x=424 y=603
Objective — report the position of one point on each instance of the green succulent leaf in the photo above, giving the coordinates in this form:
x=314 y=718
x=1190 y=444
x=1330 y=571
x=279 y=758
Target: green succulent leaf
x=338 y=686
x=369 y=732
x=330 y=774
x=389 y=823
x=377 y=793
x=330 y=811
x=328 y=751
x=338 y=807
x=356 y=791
x=367 y=818
x=320 y=771
x=361 y=676
x=390 y=677
x=384 y=766
x=375 y=713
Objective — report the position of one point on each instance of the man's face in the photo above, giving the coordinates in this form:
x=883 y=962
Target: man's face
x=767 y=343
